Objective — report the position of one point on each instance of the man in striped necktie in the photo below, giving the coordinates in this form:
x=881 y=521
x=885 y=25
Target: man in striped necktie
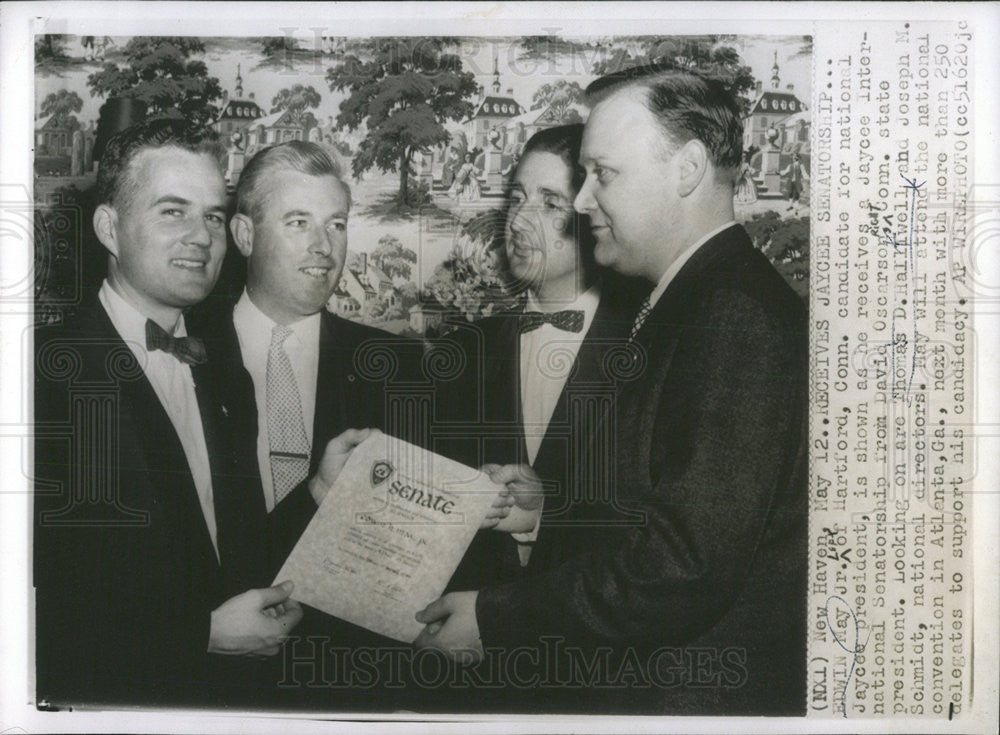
x=712 y=441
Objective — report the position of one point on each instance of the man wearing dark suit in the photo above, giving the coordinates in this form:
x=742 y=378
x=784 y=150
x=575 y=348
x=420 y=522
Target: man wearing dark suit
x=702 y=602
x=291 y=225
x=149 y=521
x=535 y=377
x=314 y=373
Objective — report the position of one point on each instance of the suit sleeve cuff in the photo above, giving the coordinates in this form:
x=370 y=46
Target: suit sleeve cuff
x=529 y=537
x=502 y=621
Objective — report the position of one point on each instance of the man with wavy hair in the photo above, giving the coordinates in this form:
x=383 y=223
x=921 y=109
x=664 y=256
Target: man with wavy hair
x=696 y=605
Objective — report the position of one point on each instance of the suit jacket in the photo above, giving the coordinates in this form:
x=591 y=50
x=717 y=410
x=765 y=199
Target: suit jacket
x=366 y=377
x=703 y=592
x=125 y=573
x=483 y=410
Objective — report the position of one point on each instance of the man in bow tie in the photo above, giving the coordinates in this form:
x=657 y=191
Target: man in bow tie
x=543 y=369
x=693 y=600
x=149 y=515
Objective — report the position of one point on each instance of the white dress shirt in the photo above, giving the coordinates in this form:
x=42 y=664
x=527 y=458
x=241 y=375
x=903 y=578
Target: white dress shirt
x=174 y=386
x=253 y=327
x=684 y=257
x=547 y=358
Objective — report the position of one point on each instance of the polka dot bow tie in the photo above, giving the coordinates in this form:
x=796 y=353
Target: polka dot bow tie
x=569 y=320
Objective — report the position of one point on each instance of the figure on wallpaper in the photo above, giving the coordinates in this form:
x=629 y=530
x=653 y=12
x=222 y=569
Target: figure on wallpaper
x=746 y=189
x=465 y=187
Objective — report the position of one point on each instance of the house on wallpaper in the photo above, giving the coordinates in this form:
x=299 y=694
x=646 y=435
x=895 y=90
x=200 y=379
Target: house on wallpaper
x=362 y=284
x=342 y=303
x=238 y=112
x=278 y=127
x=54 y=135
x=63 y=147
x=426 y=317
x=493 y=111
x=780 y=109
x=557 y=112
x=793 y=132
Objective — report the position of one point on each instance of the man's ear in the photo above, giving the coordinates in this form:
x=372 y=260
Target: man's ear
x=693 y=162
x=106 y=227
x=242 y=228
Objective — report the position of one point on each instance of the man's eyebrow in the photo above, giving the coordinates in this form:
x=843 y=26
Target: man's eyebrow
x=553 y=192
x=182 y=202
x=171 y=199
x=305 y=213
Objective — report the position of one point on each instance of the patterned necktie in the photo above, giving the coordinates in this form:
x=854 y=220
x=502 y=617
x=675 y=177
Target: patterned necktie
x=640 y=319
x=569 y=320
x=289 y=446
x=189 y=350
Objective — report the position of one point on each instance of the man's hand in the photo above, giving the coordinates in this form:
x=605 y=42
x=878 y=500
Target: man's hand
x=255 y=622
x=451 y=627
x=334 y=458
x=501 y=506
x=525 y=488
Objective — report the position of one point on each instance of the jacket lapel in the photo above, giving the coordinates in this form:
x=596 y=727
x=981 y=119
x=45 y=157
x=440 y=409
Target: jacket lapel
x=489 y=401
x=591 y=378
x=331 y=401
x=502 y=382
x=668 y=313
x=234 y=510
x=575 y=443
x=162 y=453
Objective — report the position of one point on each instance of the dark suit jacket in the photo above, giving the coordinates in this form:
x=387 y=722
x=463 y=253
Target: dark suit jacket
x=482 y=411
x=704 y=592
x=125 y=573
x=366 y=378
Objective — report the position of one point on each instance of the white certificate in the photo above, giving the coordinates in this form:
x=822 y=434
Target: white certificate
x=388 y=536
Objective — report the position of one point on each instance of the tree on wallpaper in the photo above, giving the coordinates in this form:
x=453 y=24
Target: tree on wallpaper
x=403 y=91
x=63 y=104
x=559 y=96
x=299 y=100
x=393 y=258
x=158 y=70
x=709 y=56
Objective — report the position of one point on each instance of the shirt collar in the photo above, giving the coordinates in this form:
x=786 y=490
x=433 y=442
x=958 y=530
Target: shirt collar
x=585 y=302
x=679 y=262
x=252 y=323
x=127 y=320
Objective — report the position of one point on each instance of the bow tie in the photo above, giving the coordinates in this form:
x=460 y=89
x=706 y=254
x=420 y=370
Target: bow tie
x=570 y=320
x=189 y=350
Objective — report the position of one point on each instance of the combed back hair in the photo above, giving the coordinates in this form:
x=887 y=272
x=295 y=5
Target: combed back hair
x=563 y=141
x=115 y=183
x=687 y=106
x=304 y=157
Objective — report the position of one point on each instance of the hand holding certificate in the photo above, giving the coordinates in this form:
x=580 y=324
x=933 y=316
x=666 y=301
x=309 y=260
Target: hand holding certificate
x=388 y=535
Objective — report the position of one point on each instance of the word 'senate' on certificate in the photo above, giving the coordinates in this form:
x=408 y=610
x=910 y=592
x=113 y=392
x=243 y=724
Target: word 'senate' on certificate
x=388 y=536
